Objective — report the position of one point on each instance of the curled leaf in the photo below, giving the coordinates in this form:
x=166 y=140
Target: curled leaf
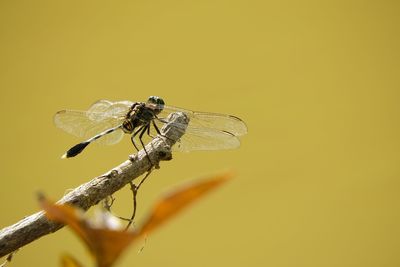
x=107 y=244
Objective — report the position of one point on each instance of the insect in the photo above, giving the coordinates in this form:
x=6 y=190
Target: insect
x=106 y=122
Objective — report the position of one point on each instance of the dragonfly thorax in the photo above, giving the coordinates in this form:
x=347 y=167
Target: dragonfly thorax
x=139 y=115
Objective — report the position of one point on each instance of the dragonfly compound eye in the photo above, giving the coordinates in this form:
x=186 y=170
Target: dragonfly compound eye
x=160 y=102
x=152 y=100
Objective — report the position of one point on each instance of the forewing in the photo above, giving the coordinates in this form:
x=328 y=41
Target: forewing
x=216 y=121
x=108 y=109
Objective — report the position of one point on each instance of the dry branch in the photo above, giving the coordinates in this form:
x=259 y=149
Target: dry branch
x=86 y=195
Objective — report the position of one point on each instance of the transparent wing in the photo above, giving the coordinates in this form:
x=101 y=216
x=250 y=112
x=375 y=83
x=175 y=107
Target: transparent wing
x=108 y=109
x=217 y=121
x=100 y=116
x=207 y=131
x=201 y=139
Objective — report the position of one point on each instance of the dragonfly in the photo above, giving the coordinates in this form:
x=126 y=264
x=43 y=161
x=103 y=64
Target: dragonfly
x=106 y=122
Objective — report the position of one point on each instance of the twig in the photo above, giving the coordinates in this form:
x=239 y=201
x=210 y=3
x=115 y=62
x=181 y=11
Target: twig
x=86 y=195
x=8 y=258
x=135 y=189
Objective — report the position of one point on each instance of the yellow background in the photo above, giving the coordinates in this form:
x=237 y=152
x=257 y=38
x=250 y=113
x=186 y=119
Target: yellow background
x=317 y=82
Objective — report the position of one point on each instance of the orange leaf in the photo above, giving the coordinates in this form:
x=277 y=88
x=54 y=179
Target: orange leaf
x=109 y=244
x=66 y=214
x=178 y=199
x=105 y=244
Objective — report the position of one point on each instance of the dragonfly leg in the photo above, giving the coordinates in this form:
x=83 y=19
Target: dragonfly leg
x=144 y=129
x=133 y=137
x=148 y=132
x=156 y=127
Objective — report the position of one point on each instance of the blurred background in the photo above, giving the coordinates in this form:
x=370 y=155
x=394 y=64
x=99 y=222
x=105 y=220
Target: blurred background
x=317 y=82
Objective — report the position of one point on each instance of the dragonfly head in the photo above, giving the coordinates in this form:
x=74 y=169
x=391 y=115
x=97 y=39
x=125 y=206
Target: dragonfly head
x=156 y=103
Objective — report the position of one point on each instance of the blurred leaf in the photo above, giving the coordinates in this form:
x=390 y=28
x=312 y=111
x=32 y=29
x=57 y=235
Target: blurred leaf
x=106 y=244
x=66 y=214
x=179 y=198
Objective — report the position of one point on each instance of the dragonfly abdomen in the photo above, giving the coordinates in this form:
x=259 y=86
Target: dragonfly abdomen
x=75 y=150
x=127 y=126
